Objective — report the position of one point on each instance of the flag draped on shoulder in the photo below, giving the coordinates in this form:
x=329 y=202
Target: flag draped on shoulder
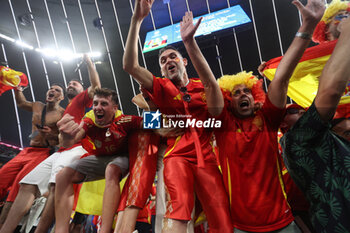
x=303 y=84
x=10 y=79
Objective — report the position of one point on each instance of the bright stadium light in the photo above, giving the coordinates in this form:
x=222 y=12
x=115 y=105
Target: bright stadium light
x=7 y=38
x=48 y=52
x=24 y=45
x=63 y=55
x=94 y=54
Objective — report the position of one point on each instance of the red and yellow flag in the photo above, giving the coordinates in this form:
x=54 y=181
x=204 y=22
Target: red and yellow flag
x=10 y=79
x=91 y=196
x=303 y=84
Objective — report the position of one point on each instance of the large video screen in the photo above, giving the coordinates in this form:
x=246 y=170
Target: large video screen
x=215 y=21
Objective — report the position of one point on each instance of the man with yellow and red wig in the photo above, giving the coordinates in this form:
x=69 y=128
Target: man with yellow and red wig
x=247 y=140
x=304 y=83
x=317 y=159
x=248 y=152
x=329 y=27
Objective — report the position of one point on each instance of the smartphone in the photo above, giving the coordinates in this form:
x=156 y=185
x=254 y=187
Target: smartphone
x=39 y=126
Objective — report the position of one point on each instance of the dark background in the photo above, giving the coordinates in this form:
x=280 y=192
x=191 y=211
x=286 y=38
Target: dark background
x=227 y=52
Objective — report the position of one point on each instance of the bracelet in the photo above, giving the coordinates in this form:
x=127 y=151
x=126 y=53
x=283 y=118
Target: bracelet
x=303 y=35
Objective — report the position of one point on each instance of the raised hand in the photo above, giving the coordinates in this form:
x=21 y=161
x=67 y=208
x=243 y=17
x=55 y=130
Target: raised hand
x=142 y=8
x=312 y=12
x=68 y=127
x=86 y=58
x=261 y=68
x=187 y=29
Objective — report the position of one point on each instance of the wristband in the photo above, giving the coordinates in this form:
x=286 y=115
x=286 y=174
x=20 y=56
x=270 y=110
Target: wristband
x=303 y=35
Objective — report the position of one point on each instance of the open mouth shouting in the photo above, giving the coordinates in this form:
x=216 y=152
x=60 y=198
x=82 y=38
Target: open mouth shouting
x=50 y=96
x=99 y=115
x=171 y=68
x=244 y=104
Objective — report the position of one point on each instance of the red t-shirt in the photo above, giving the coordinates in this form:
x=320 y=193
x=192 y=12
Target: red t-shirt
x=170 y=102
x=112 y=139
x=76 y=108
x=248 y=151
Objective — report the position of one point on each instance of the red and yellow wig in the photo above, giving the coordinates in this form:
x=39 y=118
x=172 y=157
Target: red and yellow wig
x=333 y=8
x=229 y=82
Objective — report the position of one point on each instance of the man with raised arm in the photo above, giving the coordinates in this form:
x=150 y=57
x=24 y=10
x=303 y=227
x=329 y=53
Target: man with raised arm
x=189 y=162
x=318 y=159
x=44 y=136
x=108 y=130
x=327 y=30
x=42 y=178
x=326 y=34
x=247 y=141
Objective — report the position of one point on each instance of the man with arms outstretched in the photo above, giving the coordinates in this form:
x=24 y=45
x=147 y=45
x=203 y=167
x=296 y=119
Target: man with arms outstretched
x=189 y=162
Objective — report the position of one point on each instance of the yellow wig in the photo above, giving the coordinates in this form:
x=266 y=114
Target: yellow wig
x=333 y=8
x=228 y=83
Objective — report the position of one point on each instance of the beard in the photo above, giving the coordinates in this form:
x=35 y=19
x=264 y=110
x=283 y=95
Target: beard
x=71 y=93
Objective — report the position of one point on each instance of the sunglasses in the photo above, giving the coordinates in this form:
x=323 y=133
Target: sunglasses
x=341 y=16
x=186 y=97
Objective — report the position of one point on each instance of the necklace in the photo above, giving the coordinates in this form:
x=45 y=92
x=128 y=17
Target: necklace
x=108 y=133
x=188 y=81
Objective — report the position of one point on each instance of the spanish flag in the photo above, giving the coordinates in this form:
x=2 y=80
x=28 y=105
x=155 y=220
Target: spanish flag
x=9 y=79
x=91 y=196
x=303 y=84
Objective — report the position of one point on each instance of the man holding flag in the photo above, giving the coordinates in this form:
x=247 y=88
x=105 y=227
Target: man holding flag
x=42 y=178
x=317 y=159
x=247 y=141
x=304 y=81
